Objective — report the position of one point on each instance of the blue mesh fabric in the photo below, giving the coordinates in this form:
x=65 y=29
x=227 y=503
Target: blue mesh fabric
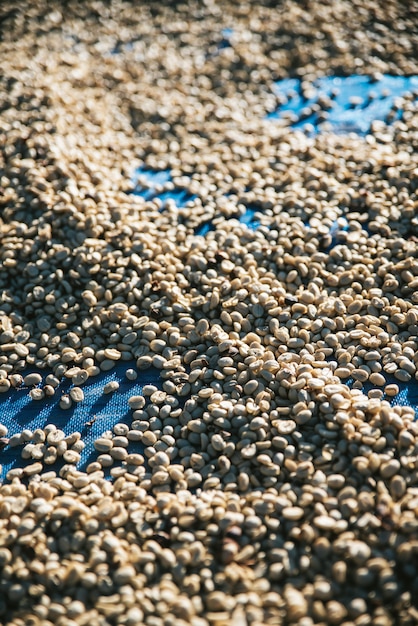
x=18 y=411
x=375 y=100
x=407 y=396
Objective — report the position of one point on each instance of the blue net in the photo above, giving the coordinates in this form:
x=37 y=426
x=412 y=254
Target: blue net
x=96 y=414
x=344 y=104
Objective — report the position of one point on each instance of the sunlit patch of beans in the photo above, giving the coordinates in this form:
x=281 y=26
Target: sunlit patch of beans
x=269 y=477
